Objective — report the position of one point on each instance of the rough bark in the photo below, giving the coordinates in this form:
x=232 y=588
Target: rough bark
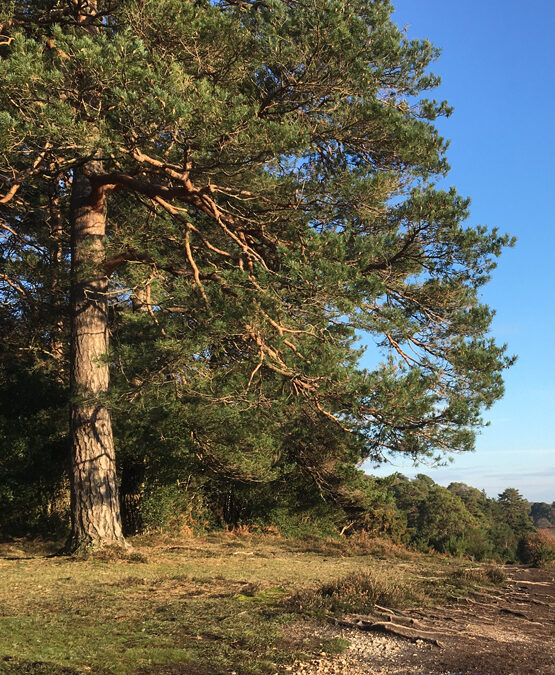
x=95 y=508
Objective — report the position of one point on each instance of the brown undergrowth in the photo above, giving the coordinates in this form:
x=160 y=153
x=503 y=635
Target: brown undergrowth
x=357 y=592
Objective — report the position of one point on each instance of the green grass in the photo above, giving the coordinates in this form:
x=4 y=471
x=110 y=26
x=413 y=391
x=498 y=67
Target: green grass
x=209 y=605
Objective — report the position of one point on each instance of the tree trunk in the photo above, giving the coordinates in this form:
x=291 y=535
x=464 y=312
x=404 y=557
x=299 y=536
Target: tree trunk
x=95 y=510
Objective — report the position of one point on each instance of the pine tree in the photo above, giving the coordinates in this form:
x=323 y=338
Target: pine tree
x=268 y=168
x=514 y=510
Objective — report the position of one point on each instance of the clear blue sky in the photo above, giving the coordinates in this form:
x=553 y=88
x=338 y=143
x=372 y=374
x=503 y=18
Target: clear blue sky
x=497 y=67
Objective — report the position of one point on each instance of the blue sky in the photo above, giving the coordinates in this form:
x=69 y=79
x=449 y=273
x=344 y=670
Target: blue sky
x=497 y=67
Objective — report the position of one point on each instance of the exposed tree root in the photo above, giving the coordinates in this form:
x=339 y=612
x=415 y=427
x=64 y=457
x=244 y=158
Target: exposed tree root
x=393 y=626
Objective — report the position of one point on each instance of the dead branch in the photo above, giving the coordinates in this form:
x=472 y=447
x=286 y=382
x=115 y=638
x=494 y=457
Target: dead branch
x=15 y=187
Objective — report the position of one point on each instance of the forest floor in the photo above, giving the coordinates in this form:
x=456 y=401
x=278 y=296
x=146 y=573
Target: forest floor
x=229 y=603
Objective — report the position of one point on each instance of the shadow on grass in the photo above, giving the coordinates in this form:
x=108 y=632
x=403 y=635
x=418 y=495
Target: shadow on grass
x=181 y=669
x=15 y=666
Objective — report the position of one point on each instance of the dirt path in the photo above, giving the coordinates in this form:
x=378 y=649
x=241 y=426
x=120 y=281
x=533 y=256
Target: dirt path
x=505 y=631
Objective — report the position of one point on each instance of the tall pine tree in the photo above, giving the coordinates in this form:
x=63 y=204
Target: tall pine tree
x=267 y=169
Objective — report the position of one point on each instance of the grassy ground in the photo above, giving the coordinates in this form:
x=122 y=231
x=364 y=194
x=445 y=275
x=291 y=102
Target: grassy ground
x=217 y=604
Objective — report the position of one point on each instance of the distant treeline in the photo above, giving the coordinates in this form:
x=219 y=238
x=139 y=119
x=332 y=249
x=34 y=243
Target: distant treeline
x=459 y=520
x=463 y=521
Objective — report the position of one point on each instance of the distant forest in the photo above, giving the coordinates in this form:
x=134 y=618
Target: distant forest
x=179 y=494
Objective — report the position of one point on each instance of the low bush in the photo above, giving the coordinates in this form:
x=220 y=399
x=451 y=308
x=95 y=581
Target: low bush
x=169 y=508
x=495 y=574
x=537 y=549
x=469 y=576
x=358 y=592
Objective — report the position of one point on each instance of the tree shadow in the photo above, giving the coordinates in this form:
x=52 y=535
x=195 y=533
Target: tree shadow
x=14 y=666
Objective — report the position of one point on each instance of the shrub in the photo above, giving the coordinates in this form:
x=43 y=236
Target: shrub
x=477 y=575
x=358 y=592
x=495 y=574
x=165 y=507
x=365 y=543
x=536 y=549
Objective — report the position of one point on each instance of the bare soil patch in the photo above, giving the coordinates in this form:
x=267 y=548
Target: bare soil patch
x=502 y=631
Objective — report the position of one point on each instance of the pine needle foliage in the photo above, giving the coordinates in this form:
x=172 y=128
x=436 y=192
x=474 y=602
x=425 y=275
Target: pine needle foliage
x=270 y=174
